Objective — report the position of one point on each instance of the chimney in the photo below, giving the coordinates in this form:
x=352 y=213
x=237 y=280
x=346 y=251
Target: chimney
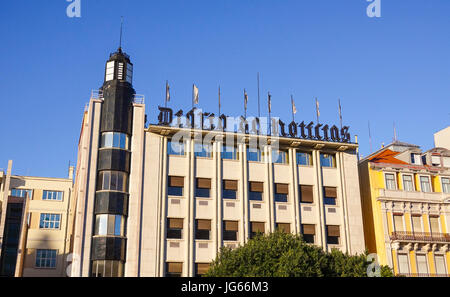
x=71 y=169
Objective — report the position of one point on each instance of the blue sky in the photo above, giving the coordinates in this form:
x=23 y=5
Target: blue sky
x=393 y=68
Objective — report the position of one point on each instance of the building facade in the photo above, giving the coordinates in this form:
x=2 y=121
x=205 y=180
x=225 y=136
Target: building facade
x=36 y=224
x=161 y=200
x=406 y=208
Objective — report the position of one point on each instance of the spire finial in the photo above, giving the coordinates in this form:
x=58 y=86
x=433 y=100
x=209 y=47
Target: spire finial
x=121 y=30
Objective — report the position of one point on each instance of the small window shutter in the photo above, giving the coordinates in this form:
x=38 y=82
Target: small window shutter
x=258 y=227
x=175 y=223
x=282 y=189
x=202 y=268
x=330 y=192
x=230 y=185
x=309 y=229
x=306 y=193
x=231 y=226
x=204 y=183
x=176 y=181
x=333 y=231
x=175 y=267
x=203 y=224
x=256 y=187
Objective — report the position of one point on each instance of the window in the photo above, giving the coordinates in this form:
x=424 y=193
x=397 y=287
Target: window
x=333 y=234
x=434 y=224
x=203 y=188
x=112 y=181
x=120 y=71
x=22 y=193
x=446 y=185
x=417 y=224
x=115 y=140
x=425 y=184
x=398 y=223
x=416 y=159
x=50 y=221
x=203 y=150
x=230 y=188
x=304 y=159
x=390 y=181
x=281 y=192
x=202 y=229
x=256 y=228
x=113 y=225
x=306 y=194
x=110 y=71
x=330 y=195
x=129 y=73
x=256 y=191
x=309 y=233
x=254 y=155
x=229 y=153
x=107 y=268
x=176 y=149
x=327 y=160
x=422 y=265
x=408 y=184
x=174 y=269
x=435 y=160
x=446 y=162
x=46 y=258
x=403 y=265
x=52 y=195
x=176 y=185
x=280 y=157
x=284 y=227
x=230 y=230
x=174 y=228
x=201 y=269
x=440 y=265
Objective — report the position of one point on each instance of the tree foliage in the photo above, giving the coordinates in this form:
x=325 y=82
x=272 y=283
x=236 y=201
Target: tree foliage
x=287 y=255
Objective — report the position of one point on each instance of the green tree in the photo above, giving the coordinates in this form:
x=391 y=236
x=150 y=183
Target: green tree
x=287 y=255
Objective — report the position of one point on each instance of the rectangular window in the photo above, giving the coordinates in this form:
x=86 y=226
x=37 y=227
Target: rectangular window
x=129 y=73
x=254 y=155
x=440 y=265
x=174 y=269
x=22 y=193
x=110 y=71
x=330 y=195
x=436 y=160
x=304 y=159
x=408 y=184
x=201 y=269
x=306 y=194
x=202 y=229
x=403 y=265
x=398 y=223
x=309 y=233
x=112 y=181
x=229 y=153
x=230 y=188
x=333 y=234
x=256 y=228
x=176 y=148
x=230 y=230
x=176 y=185
x=52 y=195
x=256 y=191
x=446 y=185
x=425 y=184
x=281 y=192
x=280 y=157
x=174 y=228
x=390 y=181
x=50 y=221
x=113 y=225
x=417 y=224
x=446 y=162
x=327 y=160
x=203 y=188
x=203 y=150
x=284 y=227
x=434 y=225
x=422 y=265
x=46 y=258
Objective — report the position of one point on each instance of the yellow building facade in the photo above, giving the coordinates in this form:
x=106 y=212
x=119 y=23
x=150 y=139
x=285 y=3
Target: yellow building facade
x=406 y=208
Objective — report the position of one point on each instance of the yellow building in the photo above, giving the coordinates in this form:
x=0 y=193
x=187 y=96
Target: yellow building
x=406 y=208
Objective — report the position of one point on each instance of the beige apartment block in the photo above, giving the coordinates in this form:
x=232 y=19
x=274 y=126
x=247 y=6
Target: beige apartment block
x=36 y=225
x=442 y=138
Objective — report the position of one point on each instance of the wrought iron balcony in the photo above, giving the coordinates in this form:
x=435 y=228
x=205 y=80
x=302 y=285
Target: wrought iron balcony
x=420 y=237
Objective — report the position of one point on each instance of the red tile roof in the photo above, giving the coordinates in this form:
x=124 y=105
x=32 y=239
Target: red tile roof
x=387 y=156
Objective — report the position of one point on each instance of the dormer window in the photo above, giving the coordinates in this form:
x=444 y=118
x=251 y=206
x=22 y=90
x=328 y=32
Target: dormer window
x=110 y=70
x=416 y=159
x=436 y=160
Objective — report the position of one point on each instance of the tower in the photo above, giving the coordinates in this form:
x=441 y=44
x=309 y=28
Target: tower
x=113 y=168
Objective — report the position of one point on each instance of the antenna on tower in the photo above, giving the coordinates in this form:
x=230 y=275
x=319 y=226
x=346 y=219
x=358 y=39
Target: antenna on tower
x=121 y=31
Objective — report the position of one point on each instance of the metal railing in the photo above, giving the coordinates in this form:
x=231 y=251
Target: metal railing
x=420 y=236
x=98 y=94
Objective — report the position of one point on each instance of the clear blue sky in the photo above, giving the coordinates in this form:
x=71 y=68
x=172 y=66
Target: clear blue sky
x=395 y=68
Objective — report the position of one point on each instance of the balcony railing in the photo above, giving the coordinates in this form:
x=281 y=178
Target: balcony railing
x=420 y=236
x=97 y=94
x=422 y=275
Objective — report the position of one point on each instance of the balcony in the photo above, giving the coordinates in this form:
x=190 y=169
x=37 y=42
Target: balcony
x=414 y=195
x=422 y=275
x=406 y=236
x=137 y=99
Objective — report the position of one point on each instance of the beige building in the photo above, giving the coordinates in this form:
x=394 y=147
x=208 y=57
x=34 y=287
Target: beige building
x=152 y=204
x=442 y=139
x=35 y=225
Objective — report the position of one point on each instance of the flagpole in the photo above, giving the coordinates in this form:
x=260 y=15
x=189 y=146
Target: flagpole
x=292 y=103
x=245 y=105
x=219 y=102
x=317 y=111
x=165 y=103
x=259 y=104
x=340 y=113
x=270 y=112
